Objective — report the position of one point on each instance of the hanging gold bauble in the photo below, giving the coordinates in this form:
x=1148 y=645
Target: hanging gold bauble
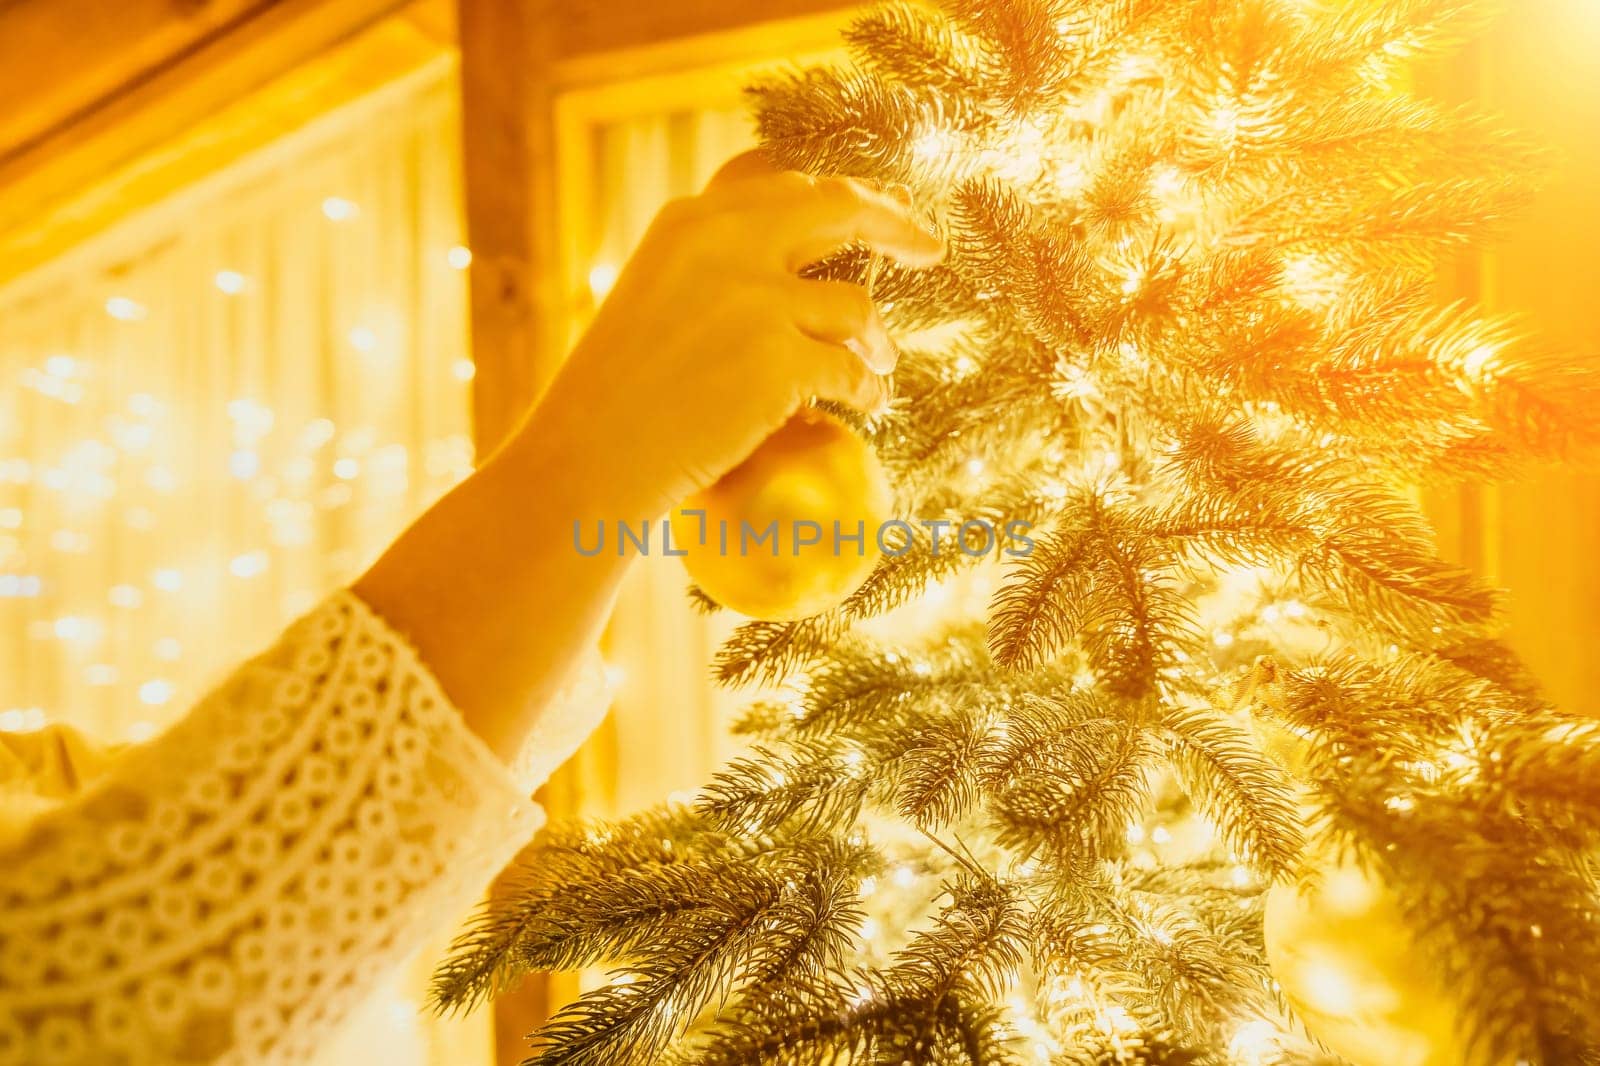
x=1350 y=969
x=793 y=530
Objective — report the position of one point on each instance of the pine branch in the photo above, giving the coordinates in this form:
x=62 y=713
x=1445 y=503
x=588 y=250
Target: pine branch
x=765 y=653
x=1249 y=800
x=851 y=123
x=937 y=778
x=1042 y=603
x=789 y=921
x=975 y=945
x=1051 y=288
x=907 y=43
x=484 y=959
x=1068 y=779
x=809 y=787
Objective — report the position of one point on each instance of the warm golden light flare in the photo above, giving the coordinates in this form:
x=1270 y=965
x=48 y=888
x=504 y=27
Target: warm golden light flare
x=1350 y=967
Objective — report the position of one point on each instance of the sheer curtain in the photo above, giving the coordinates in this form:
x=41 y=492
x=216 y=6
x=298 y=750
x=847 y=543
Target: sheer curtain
x=668 y=725
x=220 y=410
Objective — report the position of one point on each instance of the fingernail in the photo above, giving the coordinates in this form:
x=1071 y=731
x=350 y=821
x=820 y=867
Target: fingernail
x=862 y=350
x=879 y=354
x=889 y=356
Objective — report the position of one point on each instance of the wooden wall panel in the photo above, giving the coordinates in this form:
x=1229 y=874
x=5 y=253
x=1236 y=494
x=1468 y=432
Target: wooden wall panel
x=508 y=135
x=159 y=131
x=584 y=28
x=61 y=57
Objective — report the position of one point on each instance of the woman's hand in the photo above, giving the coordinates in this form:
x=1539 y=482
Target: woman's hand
x=709 y=340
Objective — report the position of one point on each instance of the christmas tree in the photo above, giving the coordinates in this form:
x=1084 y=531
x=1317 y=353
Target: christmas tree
x=1232 y=766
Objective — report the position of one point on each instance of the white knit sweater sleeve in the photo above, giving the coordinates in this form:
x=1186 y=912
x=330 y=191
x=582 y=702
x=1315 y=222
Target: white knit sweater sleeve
x=227 y=891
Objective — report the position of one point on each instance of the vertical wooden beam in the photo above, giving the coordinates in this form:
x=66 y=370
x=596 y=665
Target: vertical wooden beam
x=508 y=140
x=508 y=134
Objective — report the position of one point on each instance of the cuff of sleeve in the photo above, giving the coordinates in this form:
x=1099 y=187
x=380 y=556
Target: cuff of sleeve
x=559 y=729
x=461 y=759
x=565 y=722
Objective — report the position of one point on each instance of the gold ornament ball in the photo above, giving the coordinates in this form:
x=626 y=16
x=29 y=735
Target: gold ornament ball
x=815 y=471
x=1349 y=967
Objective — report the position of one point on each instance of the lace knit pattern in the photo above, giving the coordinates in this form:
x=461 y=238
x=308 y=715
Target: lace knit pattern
x=227 y=891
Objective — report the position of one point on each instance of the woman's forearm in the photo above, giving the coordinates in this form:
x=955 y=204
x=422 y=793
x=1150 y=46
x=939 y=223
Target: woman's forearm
x=488 y=583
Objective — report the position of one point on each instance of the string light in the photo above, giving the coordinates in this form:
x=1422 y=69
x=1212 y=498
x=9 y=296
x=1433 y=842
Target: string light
x=1071 y=177
x=1255 y=1043
x=602 y=276
x=21 y=719
x=248 y=565
x=363 y=339
x=62 y=366
x=1114 y=1020
x=244 y=464
x=1328 y=987
x=144 y=405
x=155 y=692
x=459 y=257
x=100 y=675
x=464 y=369
x=230 y=282
x=1311 y=282
x=338 y=209
x=933 y=145
x=124 y=309
x=21 y=586
x=1225 y=120
x=77 y=628
x=161 y=479
x=1480 y=361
